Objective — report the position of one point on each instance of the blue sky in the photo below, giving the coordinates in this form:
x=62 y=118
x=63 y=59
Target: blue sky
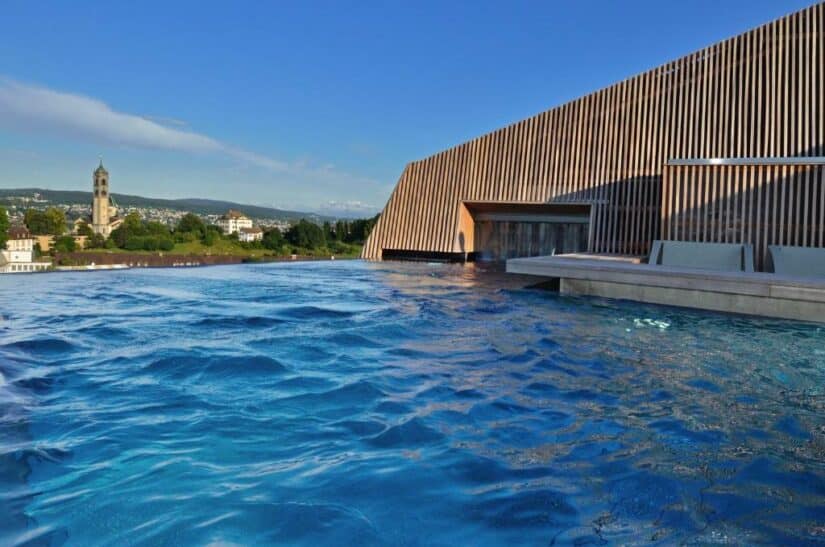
x=308 y=105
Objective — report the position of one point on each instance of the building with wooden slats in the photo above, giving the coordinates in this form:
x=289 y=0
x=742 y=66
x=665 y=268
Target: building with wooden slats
x=726 y=144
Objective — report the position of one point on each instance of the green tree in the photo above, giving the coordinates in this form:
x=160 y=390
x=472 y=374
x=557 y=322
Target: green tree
x=359 y=230
x=211 y=235
x=166 y=244
x=4 y=227
x=133 y=243
x=132 y=227
x=329 y=231
x=52 y=221
x=35 y=221
x=339 y=247
x=273 y=240
x=341 y=230
x=55 y=221
x=151 y=243
x=305 y=234
x=133 y=223
x=64 y=244
x=191 y=223
x=187 y=237
x=157 y=229
x=119 y=236
x=83 y=229
x=96 y=241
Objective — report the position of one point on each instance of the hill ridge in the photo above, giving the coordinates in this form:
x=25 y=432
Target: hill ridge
x=204 y=206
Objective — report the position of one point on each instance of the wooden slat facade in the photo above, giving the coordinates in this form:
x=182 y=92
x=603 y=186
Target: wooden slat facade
x=756 y=204
x=759 y=94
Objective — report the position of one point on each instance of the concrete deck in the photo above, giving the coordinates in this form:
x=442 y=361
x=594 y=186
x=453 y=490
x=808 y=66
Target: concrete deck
x=630 y=259
x=755 y=293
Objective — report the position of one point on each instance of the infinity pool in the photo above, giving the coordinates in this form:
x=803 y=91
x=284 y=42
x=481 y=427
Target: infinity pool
x=349 y=403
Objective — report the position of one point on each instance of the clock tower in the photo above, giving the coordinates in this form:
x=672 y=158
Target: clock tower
x=100 y=202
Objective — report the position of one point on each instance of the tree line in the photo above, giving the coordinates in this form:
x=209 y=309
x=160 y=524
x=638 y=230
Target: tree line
x=134 y=234
x=4 y=227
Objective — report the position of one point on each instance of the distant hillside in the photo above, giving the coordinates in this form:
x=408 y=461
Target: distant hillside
x=194 y=205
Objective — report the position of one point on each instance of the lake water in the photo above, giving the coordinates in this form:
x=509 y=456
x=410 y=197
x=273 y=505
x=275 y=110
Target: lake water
x=349 y=403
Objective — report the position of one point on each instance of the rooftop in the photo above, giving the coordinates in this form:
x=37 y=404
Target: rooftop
x=19 y=232
x=233 y=214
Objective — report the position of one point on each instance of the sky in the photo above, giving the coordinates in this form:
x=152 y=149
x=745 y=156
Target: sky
x=307 y=105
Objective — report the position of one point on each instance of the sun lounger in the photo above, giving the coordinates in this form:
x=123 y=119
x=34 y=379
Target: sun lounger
x=728 y=257
x=797 y=261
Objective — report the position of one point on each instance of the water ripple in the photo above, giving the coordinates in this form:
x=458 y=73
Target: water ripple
x=374 y=404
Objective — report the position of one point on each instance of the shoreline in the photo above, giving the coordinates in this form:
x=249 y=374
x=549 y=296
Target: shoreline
x=124 y=261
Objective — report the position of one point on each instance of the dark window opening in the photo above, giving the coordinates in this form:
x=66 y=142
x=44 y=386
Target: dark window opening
x=424 y=256
x=500 y=240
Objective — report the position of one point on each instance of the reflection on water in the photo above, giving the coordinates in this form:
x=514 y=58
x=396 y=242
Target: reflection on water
x=354 y=403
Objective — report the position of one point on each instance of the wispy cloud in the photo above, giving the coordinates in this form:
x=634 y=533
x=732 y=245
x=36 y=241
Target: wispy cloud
x=300 y=183
x=39 y=109
x=348 y=208
x=174 y=122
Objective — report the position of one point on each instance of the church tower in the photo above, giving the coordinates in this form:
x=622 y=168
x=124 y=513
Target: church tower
x=100 y=201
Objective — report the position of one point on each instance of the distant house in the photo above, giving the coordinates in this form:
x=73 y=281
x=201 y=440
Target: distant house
x=233 y=221
x=44 y=241
x=18 y=256
x=250 y=234
x=78 y=222
x=47 y=241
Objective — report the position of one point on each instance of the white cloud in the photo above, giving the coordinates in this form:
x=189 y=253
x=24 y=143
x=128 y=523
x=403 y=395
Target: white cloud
x=350 y=208
x=37 y=109
x=34 y=109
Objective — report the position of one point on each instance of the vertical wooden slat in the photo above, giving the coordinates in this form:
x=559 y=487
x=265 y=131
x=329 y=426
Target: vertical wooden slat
x=755 y=214
x=820 y=79
x=756 y=50
x=760 y=94
x=821 y=240
x=805 y=81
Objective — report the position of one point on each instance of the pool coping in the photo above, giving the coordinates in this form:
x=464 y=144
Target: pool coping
x=755 y=293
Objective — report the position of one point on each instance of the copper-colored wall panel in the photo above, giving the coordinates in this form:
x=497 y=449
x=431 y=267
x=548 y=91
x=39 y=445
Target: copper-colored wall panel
x=759 y=94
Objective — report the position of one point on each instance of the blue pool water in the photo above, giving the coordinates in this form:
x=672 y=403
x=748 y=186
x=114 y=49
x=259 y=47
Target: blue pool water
x=351 y=403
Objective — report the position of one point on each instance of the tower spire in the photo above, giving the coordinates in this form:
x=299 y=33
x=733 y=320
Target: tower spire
x=100 y=168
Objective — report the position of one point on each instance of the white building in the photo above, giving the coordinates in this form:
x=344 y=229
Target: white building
x=250 y=234
x=18 y=255
x=233 y=222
